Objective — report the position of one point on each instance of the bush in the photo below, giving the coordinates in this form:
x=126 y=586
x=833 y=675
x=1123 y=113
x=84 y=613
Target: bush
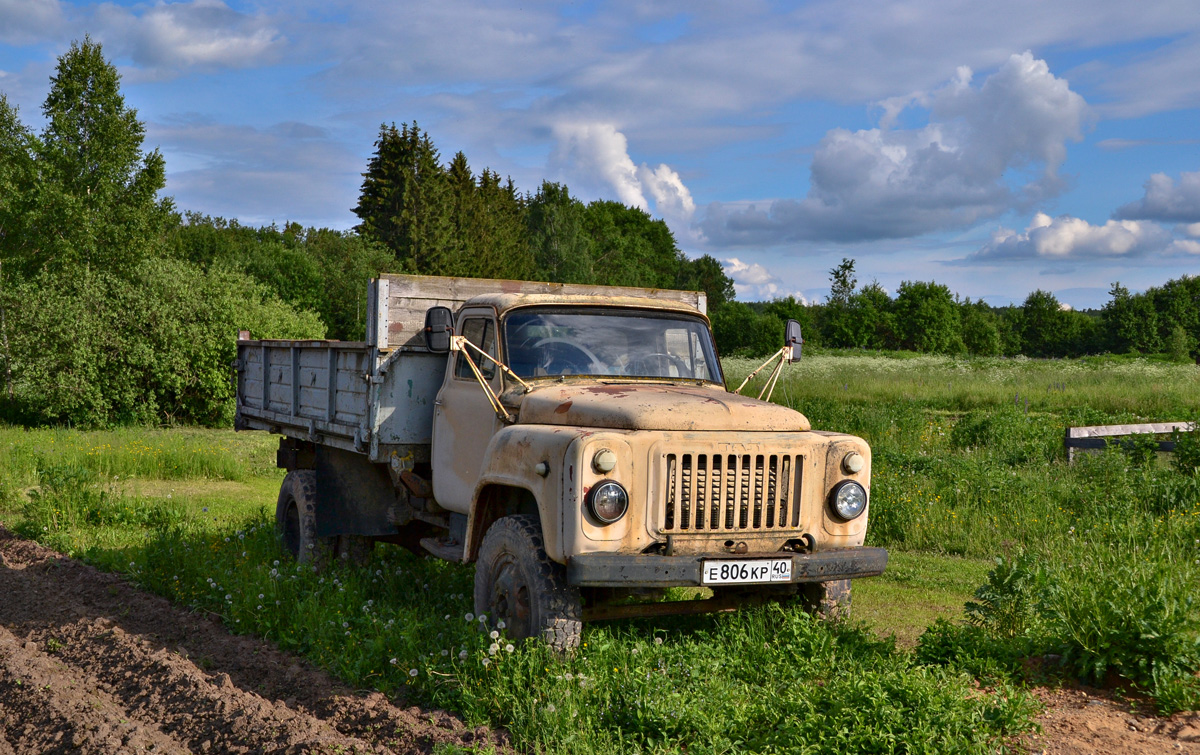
x=1009 y=435
x=1127 y=608
x=157 y=346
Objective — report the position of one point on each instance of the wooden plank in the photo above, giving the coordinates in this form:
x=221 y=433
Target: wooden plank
x=1106 y=431
x=1096 y=437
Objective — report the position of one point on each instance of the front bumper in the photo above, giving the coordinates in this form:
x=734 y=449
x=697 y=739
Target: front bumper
x=621 y=570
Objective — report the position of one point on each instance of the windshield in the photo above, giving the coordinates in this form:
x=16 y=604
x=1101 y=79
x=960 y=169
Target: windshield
x=544 y=342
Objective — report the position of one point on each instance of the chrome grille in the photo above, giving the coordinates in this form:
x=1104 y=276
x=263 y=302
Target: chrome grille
x=731 y=492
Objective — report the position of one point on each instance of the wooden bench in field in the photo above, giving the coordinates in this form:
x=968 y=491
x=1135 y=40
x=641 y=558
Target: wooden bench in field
x=1100 y=436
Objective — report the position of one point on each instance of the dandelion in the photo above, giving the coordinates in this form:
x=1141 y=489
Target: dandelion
x=550 y=708
x=469 y=617
x=260 y=596
x=485 y=662
x=494 y=635
x=658 y=640
x=228 y=597
x=508 y=648
x=493 y=648
x=395 y=662
x=462 y=655
x=501 y=625
x=413 y=672
x=482 y=618
x=446 y=617
x=445 y=653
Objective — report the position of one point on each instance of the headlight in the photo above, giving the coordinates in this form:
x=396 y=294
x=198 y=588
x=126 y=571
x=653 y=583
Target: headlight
x=608 y=501
x=848 y=500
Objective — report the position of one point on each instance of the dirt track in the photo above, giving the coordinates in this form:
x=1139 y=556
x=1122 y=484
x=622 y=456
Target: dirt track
x=89 y=664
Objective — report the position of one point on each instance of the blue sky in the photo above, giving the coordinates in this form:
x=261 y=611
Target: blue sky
x=993 y=149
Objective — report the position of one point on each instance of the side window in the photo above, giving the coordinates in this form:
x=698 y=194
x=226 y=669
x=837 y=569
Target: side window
x=480 y=331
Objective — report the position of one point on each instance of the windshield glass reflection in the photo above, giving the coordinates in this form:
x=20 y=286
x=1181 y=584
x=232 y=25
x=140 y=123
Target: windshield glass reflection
x=545 y=342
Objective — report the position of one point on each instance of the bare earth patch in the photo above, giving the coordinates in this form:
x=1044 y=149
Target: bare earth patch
x=1079 y=722
x=90 y=664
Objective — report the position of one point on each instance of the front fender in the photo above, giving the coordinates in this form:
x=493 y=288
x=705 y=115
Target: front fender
x=511 y=461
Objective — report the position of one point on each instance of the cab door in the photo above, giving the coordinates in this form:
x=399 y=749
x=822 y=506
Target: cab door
x=463 y=419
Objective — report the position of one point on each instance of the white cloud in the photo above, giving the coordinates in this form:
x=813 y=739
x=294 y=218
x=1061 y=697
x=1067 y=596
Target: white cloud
x=1069 y=238
x=1166 y=200
x=26 y=21
x=199 y=33
x=753 y=282
x=598 y=153
x=882 y=183
x=596 y=156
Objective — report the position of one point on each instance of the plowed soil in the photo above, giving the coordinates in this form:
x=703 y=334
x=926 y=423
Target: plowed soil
x=90 y=664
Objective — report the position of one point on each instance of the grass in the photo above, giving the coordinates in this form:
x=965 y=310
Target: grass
x=967 y=467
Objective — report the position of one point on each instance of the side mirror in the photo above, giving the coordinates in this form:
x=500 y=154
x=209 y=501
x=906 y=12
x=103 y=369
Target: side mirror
x=439 y=326
x=793 y=339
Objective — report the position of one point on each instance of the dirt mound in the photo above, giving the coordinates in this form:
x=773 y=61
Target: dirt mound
x=89 y=664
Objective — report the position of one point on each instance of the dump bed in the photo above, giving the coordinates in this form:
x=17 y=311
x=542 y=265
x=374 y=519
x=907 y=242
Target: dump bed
x=376 y=396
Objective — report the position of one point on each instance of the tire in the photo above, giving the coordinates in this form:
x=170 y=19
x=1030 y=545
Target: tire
x=828 y=600
x=517 y=583
x=296 y=518
x=355 y=549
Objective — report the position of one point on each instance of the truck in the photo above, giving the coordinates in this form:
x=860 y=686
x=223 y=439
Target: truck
x=578 y=444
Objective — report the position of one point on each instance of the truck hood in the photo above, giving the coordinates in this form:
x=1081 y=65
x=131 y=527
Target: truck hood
x=654 y=406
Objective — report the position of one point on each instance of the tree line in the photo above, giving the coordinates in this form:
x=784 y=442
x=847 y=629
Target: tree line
x=927 y=317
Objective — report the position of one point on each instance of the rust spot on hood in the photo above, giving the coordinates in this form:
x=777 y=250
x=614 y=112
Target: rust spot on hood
x=563 y=408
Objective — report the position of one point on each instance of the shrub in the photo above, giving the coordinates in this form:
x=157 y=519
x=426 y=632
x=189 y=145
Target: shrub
x=1124 y=607
x=157 y=346
x=1009 y=435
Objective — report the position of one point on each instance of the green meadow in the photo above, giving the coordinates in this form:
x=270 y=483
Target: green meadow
x=1008 y=567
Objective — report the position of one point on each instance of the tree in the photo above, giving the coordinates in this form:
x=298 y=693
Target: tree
x=405 y=199
x=841 y=325
x=927 y=318
x=93 y=199
x=980 y=329
x=706 y=274
x=875 y=312
x=1047 y=329
x=562 y=249
x=1130 y=322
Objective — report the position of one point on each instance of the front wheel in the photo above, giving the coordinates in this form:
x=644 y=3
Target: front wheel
x=828 y=600
x=517 y=583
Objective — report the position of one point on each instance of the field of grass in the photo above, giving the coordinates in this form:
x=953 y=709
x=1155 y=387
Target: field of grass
x=1099 y=563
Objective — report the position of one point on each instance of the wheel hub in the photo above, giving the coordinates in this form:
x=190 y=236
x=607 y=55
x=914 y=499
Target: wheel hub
x=510 y=600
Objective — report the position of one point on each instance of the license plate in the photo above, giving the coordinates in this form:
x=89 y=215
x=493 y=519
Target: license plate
x=746 y=572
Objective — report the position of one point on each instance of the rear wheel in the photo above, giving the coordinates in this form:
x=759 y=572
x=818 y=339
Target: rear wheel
x=296 y=517
x=517 y=583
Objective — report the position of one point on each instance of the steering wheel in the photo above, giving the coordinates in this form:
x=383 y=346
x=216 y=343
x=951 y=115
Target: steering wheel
x=559 y=356
x=647 y=365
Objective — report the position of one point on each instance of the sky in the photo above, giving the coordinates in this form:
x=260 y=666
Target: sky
x=996 y=148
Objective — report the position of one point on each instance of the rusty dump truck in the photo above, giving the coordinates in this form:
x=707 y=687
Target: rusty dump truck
x=577 y=443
